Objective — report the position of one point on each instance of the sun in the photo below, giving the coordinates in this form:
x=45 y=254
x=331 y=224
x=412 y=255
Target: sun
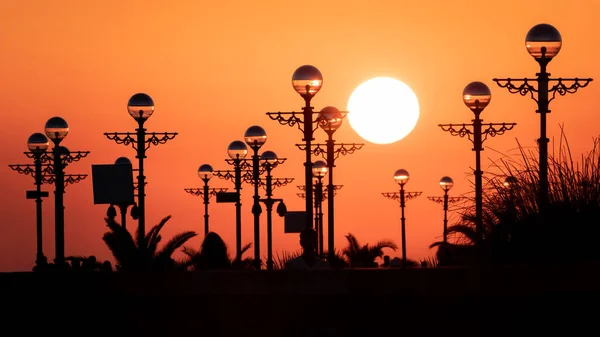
x=383 y=110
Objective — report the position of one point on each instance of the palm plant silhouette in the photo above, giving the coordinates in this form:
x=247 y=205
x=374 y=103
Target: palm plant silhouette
x=364 y=256
x=131 y=255
x=192 y=259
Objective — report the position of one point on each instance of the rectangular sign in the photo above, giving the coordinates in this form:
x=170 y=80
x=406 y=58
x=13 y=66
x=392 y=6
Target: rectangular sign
x=34 y=194
x=294 y=221
x=113 y=184
x=227 y=197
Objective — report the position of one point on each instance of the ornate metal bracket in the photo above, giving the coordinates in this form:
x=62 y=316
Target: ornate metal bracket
x=396 y=195
x=200 y=191
x=451 y=200
x=522 y=87
x=491 y=130
x=320 y=149
x=151 y=138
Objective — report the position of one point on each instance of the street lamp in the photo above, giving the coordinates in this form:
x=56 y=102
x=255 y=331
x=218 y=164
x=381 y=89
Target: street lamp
x=56 y=130
x=401 y=177
x=446 y=184
x=543 y=42
x=476 y=97
x=112 y=212
x=205 y=172
x=319 y=170
x=141 y=107
x=271 y=161
x=237 y=151
x=330 y=119
x=307 y=81
x=255 y=137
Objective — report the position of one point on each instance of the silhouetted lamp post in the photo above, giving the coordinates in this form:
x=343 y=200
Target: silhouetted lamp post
x=446 y=184
x=112 y=212
x=543 y=42
x=205 y=172
x=319 y=171
x=307 y=81
x=141 y=107
x=255 y=137
x=237 y=151
x=57 y=129
x=476 y=97
x=401 y=177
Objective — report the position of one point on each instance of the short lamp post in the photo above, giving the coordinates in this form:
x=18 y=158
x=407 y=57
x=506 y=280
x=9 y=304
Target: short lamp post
x=112 y=212
x=307 y=80
x=141 y=107
x=57 y=129
x=446 y=184
x=401 y=177
x=205 y=172
x=476 y=97
x=543 y=42
x=319 y=170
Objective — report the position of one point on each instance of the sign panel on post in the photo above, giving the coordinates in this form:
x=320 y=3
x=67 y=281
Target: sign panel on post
x=113 y=184
x=294 y=221
x=227 y=197
x=34 y=194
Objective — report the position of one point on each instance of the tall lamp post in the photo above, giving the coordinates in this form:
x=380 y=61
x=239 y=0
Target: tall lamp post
x=401 y=177
x=141 y=107
x=543 y=42
x=255 y=137
x=319 y=171
x=446 y=184
x=330 y=119
x=57 y=129
x=271 y=161
x=205 y=172
x=237 y=151
x=307 y=81
x=476 y=97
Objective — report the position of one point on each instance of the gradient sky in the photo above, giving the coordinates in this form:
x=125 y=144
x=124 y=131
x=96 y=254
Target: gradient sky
x=215 y=68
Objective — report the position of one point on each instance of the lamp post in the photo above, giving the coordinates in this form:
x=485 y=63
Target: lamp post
x=255 y=137
x=401 y=177
x=543 y=42
x=330 y=119
x=205 y=172
x=56 y=130
x=476 y=97
x=112 y=212
x=446 y=184
x=319 y=170
x=237 y=151
x=307 y=81
x=271 y=161
x=141 y=107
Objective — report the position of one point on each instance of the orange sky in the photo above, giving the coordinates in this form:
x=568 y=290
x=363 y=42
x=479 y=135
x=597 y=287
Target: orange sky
x=214 y=69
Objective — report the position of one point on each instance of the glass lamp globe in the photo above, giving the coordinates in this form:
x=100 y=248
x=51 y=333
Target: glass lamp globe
x=401 y=176
x=56 y=129
x=269 y=156
x=509 y=181
x=255 y=137
x=140 y=107
x=477 y=96
x=307 y=81
x=237 y=150
x=122 y=161
x=446 y=183
x=330 y=119
x=319 y=168
x=543 y=41
x=37 y=143
x=205 y=172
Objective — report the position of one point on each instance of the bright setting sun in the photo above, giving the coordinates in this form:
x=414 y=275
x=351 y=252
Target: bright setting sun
x=383 y=110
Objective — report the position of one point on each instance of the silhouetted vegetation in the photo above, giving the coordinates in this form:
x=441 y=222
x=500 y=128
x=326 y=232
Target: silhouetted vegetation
x=513 y=230
x=364 y=256
x=213 y=255
x=132 y=255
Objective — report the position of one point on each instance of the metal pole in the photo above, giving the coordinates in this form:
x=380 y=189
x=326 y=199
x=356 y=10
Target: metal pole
x=320 y=215
x=403 y=221
x=543 y=78
x=308 y=137
x=256 y=207
x=59 y=211
x=269 y=205
x=445 y=216
x=238 y=209
x=206 y=197
x=330 y=195
x=40 y=258
x=141 y=154
x=477 y=142
x=123 y=210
